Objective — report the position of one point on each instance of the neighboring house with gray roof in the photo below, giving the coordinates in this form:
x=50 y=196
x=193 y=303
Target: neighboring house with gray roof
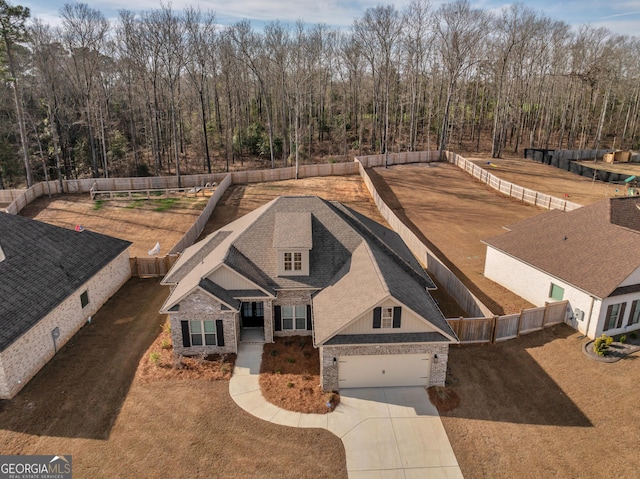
x=306 y=266
x=589 y=256
x=51 y=281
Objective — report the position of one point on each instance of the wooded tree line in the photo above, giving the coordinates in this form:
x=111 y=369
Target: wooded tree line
x=166 y=91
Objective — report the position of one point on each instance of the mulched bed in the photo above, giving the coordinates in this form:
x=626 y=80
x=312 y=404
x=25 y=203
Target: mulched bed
x=615 y=352
x=290 y=376
x=159 y=363
x=443 y=398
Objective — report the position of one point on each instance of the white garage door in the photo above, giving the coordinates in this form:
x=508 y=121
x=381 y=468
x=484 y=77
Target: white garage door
x=384 y=370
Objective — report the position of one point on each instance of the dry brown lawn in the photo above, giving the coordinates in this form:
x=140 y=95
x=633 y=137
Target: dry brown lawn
x=452 y=213
x=138 y=221
x=548 y=179
x=538 y=407
x=290 y=376
x=93 y=401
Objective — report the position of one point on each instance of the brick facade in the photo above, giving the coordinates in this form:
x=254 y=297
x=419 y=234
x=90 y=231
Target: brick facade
x=30 y=352
x=329 y=368
x=199 y=306
x=293 y=298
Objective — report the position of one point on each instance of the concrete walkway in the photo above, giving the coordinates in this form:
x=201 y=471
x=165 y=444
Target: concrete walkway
x=388 y=433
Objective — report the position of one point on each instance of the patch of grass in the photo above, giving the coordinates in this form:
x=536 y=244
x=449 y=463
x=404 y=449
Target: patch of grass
x=154 y=357
x=165 y=204
x=165 y=344
x=291 y=360
x=98 y=204
x=135 y=204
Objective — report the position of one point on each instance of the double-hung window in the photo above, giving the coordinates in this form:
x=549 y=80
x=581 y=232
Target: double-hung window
x=613 y=318
x=387 y=317
x=294 y=317
x=202 y=333
x=292 y=261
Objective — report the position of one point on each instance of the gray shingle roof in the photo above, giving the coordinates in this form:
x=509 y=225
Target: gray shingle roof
x=44 y=264
x=352 y=258
x=584 y=247
x=293 y=230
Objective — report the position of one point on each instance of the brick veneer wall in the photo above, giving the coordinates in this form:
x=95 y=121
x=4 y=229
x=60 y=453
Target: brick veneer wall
x=297 y=297
x=329 y=370
x=201 y=306
x=31 y=351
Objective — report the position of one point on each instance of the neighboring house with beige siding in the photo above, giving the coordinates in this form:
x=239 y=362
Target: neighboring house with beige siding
x=589 y=256
x=306 y=266
x=52 y=280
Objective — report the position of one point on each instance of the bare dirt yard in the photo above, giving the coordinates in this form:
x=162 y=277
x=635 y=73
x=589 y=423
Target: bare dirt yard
x=143 y=222
x=242 y=199
x=547 y=179
x=538 y=407
x=94 y=401
x=452 y=213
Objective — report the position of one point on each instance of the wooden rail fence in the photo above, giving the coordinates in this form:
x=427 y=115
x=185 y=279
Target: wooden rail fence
x=500 y=328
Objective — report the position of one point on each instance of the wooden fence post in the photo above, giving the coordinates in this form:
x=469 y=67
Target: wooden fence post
x=494 y=329
x=519 y=323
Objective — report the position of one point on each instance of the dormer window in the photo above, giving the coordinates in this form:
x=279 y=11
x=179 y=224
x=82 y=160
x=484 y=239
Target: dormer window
x=293 y=261
x=292 y=240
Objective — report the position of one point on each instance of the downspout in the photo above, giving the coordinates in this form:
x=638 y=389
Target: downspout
x=586 y=332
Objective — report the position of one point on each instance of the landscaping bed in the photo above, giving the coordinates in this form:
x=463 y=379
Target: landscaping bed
x=160 y=363
x=290 y=376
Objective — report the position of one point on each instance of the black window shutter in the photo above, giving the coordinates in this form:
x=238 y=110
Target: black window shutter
x=397 y=313
x=621 y=315
x=377 y=318
x=277 y=320
x=632 y=312
x=186 y=338
x=309 y=323
x=219 y=332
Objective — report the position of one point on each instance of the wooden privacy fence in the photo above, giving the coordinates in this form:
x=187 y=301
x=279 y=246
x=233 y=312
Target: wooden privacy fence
x=507 y=188
x=465 y=298
x=197 y=228
x=501 y=328
x=152 y=267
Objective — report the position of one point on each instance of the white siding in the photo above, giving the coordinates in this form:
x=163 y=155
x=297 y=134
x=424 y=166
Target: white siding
x=409 y=323
x=535 y=285
x=633 y=278
x=625 y=298
x=230 y=280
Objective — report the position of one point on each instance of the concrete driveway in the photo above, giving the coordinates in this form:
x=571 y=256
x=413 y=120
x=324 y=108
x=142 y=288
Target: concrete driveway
x=393 y=433
x=387 y=433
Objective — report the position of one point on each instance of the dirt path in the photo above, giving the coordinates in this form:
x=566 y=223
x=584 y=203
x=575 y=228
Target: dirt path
x=538 y=407
x=143 y=222
x=452 y=213
x=87 y=402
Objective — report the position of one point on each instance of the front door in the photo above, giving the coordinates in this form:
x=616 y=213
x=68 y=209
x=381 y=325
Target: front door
x=253 y=314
